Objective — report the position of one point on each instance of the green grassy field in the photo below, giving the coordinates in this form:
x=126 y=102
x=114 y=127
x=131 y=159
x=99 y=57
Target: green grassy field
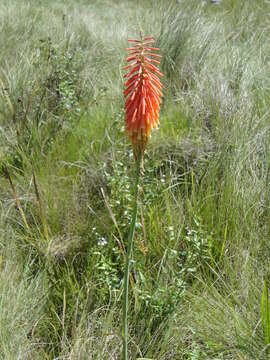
x=202 y=242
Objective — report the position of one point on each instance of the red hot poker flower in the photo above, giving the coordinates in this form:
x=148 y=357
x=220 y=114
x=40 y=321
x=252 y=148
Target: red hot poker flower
x=142 y=92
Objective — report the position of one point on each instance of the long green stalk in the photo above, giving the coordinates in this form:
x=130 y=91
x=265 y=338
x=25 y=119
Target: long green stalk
x=128 y=255
x=265 y=314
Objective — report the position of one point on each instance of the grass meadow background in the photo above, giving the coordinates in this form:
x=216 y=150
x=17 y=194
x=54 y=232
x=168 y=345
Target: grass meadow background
x=202 y=242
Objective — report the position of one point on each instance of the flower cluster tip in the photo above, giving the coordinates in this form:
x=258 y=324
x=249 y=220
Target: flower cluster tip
x=143 y=91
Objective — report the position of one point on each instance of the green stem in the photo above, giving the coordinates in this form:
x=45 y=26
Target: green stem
x=128 y=255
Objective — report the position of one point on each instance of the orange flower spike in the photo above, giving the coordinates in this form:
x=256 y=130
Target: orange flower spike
x=142 y=92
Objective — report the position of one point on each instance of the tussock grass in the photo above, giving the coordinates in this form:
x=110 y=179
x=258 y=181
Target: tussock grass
x=22 y=299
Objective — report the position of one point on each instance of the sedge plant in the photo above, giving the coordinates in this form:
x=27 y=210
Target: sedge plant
x=142 y=106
